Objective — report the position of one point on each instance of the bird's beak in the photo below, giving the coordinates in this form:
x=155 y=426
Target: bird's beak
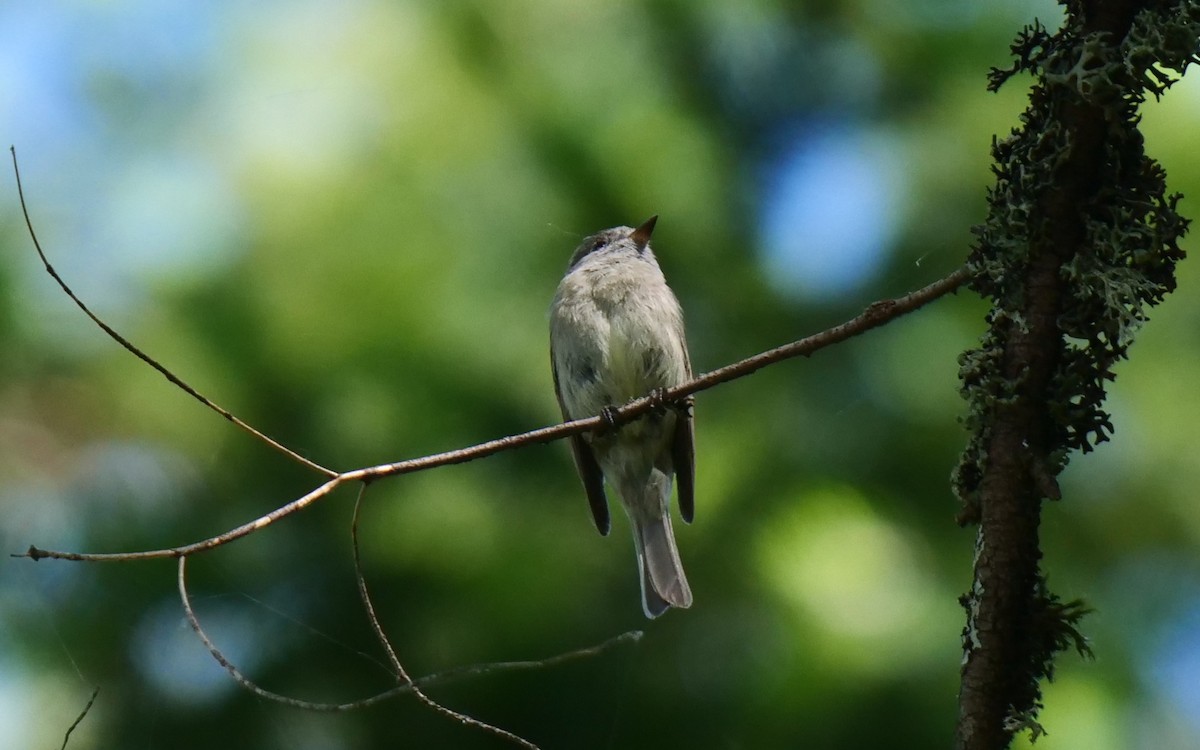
x=641 y=235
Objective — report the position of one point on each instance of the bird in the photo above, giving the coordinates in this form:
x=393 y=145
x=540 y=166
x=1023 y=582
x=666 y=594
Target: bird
x=617 y=334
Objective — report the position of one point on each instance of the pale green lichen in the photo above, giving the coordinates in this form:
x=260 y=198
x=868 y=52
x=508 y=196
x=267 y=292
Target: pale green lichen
x=1131 y=229
x=1111 y=260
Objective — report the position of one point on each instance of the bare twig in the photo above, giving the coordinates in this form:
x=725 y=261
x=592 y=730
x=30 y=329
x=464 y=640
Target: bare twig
x=438 y=678
x=36 y=553
x=401 y=673
x=474 y=670
x=78 y=719
x=141 y=354
x=876 y=314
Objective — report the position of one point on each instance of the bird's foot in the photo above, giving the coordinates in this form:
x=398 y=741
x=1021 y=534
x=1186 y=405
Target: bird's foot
x=658 y=401
x=609 y=415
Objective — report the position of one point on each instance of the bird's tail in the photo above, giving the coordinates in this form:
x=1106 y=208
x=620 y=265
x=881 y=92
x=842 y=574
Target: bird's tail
x=663 y=582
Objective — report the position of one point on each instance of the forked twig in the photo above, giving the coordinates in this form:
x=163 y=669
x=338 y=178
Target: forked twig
x=438 y=678
x=129 y=346
x=401 y=673
x=875 y=315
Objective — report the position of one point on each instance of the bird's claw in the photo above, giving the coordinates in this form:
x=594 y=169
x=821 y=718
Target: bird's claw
x=658 y=400
x=609 y=415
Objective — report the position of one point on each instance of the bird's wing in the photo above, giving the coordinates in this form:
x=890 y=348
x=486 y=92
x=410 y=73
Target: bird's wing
x=683 y=451
x=585 y=464
x=683 y=455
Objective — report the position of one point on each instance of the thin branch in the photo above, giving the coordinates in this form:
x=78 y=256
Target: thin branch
x=875 y=315
x=438 y=678
x=401 y=673
x=141 y=354
x=204 y=545
x=475 y=670
x=377 y=628
x=78 y=719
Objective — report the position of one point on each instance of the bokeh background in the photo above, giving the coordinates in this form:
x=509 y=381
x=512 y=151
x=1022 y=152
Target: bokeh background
x=344 y=221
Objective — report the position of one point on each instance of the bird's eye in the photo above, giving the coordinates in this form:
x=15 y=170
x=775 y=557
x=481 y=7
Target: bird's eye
x=596 y=245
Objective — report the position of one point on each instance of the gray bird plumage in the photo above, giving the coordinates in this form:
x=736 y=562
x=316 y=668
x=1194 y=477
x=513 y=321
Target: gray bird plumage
x=616 y=334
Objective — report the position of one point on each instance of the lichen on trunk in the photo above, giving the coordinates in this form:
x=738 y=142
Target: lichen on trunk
x=1080 y=240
